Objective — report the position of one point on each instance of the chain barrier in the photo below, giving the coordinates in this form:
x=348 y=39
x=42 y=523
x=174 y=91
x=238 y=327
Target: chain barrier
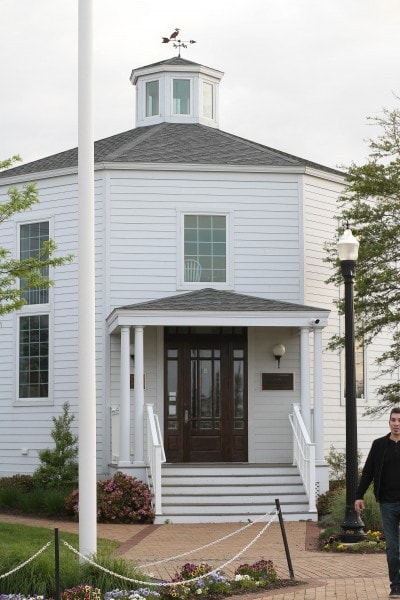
x=225 y=537
x=186 y=581
x=27 y=561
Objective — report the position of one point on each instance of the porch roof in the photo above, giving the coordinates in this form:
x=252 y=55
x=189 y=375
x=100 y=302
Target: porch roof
x=211 y=307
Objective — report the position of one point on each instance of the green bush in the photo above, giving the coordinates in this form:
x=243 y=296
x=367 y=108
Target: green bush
x=371 y=515
x=24 y=483
x=34 y=501
x=59 y=466
x=324 y=503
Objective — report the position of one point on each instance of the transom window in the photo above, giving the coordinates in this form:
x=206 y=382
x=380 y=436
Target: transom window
x=34 y=356
x=152 y=98
x=208 y=100
x=205 y=248
x=181 y=96
x=32 y=237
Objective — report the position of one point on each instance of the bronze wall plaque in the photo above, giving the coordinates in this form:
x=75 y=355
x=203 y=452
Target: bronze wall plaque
x=277 y=381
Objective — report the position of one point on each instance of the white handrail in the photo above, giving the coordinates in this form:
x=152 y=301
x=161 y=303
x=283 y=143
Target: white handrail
x=304 y=455
x=155 y=455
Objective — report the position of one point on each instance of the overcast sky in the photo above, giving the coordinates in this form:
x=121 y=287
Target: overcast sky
x=301 y=76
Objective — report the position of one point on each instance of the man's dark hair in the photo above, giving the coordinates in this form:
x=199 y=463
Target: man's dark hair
x=395 y=410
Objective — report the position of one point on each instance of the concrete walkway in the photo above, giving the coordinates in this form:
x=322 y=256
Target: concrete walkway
x=324 y=576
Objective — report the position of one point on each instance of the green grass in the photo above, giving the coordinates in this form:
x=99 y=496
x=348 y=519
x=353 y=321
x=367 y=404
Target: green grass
x=20 y=542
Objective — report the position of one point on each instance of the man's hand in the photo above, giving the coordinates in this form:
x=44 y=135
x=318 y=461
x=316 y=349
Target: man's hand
x=359 y=506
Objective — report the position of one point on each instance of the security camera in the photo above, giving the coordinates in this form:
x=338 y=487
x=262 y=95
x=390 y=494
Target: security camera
x=314 y=321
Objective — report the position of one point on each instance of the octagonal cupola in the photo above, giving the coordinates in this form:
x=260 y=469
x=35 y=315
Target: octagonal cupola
x=176 y=91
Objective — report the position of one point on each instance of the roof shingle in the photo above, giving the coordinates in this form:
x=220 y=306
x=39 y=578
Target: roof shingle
x=174 y=143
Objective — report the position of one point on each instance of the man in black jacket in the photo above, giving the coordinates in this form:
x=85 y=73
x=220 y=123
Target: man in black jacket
x=383 y=468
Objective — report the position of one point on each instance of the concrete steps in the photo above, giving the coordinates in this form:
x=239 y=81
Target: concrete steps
x=221 y=492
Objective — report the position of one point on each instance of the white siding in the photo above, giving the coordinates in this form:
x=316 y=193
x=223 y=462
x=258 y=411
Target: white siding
x=271 y=435
x=320 y=209
x=144 y=231
x=28 y=424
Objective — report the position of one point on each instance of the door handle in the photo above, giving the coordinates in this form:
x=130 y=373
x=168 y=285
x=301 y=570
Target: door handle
x=186 y=416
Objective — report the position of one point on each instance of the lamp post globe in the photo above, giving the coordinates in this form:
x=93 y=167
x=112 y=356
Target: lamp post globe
x=348 y=253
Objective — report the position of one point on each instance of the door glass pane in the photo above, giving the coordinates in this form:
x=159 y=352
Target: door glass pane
x=238 y=383
x=205 y=388
x=172 y=389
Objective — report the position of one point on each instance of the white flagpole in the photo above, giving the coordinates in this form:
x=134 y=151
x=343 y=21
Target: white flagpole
x=86 y=294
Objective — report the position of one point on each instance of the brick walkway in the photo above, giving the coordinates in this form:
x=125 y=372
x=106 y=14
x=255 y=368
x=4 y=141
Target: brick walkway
x=325 y=576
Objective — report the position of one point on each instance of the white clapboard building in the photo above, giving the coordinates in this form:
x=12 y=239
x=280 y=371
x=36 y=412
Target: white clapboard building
x=214 y=383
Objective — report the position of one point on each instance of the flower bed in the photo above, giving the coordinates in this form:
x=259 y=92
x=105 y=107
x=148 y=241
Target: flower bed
x=373 y=544
x=191 y=580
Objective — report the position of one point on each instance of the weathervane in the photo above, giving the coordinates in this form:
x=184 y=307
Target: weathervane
x=177 y=43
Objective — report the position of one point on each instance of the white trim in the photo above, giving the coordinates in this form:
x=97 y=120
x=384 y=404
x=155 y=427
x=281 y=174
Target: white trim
x=136 y=166
x=126 y=317
x=163 y=68
x=302 y=228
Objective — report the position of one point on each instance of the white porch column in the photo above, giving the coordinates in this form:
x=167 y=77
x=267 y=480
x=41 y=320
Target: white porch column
x=139 y=397
x=305 y=403
x=125 y=403
x=318 y=398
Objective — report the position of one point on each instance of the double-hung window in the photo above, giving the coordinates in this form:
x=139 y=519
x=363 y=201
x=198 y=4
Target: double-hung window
x=205 y=248
x=33 y=341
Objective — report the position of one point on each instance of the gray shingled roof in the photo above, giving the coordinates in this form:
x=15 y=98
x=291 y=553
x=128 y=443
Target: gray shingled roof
x=174 y=61
x=209 y=299
x=172 y=143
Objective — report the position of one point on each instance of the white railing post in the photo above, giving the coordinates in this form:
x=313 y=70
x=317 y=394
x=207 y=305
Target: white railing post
x=155 y=455
x=304 y=455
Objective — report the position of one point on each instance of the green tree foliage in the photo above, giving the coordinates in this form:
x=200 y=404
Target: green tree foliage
x=59 y=467
x=371 y=204
x=30 y=269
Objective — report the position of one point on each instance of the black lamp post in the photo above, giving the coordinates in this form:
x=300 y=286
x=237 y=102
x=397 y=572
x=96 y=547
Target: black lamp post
x=348 y=252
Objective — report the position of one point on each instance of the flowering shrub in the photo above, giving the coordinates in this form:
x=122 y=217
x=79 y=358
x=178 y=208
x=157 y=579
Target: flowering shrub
x=20 y=597
x=373 y=543
x=140 y=594
x=262 y=571
x=121 y=499
x=81 y=592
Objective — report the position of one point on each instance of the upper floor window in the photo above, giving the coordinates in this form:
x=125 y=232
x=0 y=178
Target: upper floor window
x=205 y=250
x=152 y=98
x=181 y=96
x=34 y=356
x=32 y=237
x=208 y=100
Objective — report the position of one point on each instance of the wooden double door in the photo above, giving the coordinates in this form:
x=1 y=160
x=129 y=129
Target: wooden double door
x=205 y=396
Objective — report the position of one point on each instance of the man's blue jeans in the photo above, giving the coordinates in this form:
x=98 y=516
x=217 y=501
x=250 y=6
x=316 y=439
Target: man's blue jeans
x=390 y=513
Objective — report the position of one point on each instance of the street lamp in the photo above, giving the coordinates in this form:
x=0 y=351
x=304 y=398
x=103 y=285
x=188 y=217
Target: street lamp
x=348 y=252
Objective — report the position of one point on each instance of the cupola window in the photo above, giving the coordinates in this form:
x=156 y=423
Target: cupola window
x=152 y=98
x=208 y=100
x=181 y=96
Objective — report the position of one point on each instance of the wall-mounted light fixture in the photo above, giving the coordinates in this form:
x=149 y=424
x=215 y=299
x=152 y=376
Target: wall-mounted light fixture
x=278 y=351
x=132 y=353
